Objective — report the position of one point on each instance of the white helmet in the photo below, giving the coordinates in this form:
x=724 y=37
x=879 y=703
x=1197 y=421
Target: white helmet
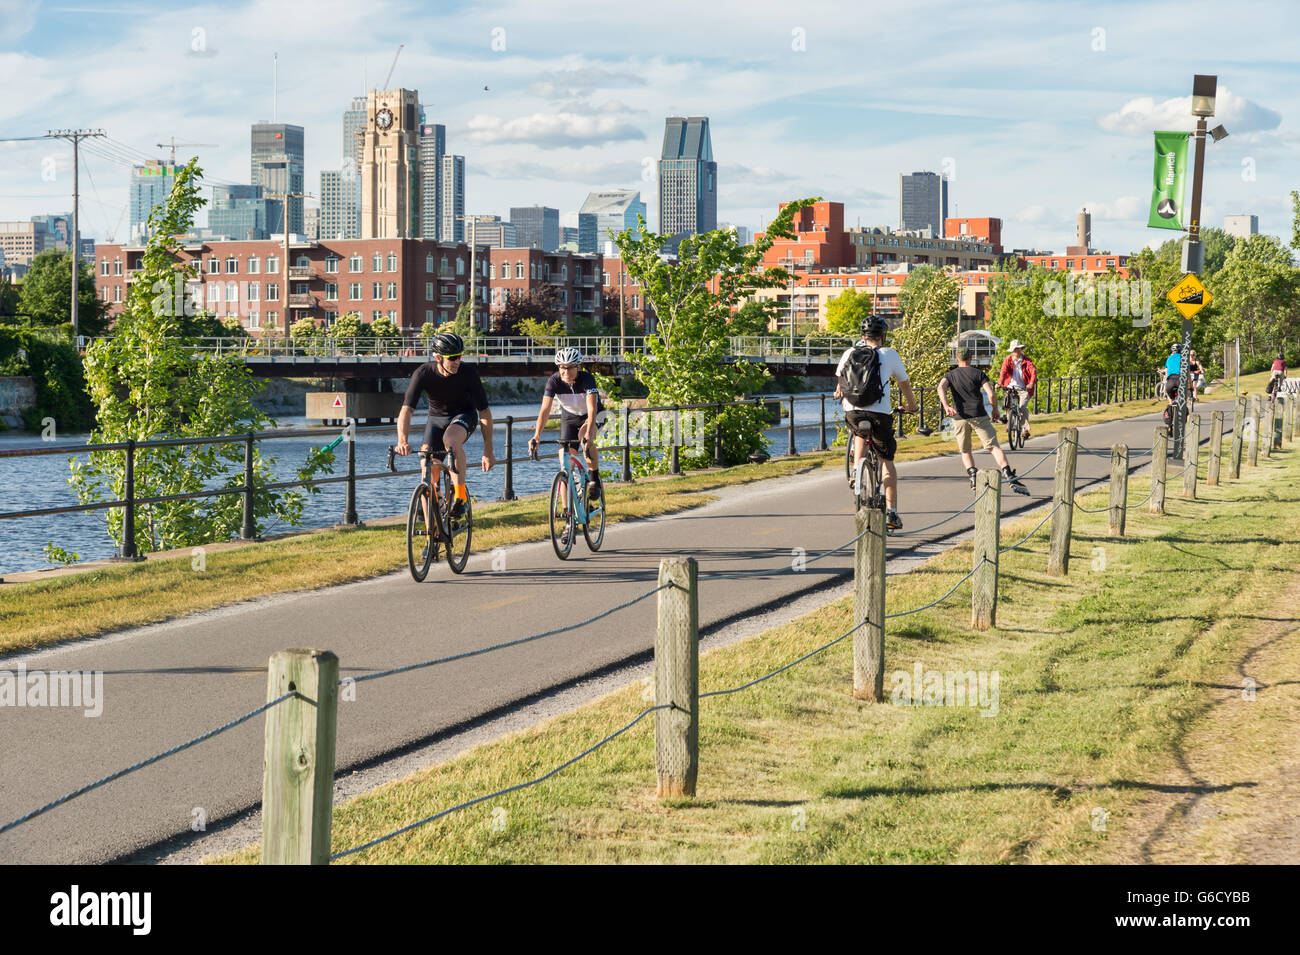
x=569 y=355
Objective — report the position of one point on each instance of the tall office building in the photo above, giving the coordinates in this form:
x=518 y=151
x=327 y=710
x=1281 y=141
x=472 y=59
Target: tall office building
x=688 y=178
x=922 y=202
x=452 y=206
x=390 y=165
x=340 y=204
x=151 y=183
x=59 y=228
x=433 y=146
x=538 y=227
x=612 y=210
x=243 y=212
x=492 y=231
x=354 y=125
x=1241 y=226
x=276 y=164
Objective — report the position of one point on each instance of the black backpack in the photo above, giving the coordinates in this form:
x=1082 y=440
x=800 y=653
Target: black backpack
x=860 y=380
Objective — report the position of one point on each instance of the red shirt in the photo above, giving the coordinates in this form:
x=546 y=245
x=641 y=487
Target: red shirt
x=1027 y=371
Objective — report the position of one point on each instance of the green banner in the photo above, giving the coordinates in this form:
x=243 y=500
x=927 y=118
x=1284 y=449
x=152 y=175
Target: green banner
x=1169 y=181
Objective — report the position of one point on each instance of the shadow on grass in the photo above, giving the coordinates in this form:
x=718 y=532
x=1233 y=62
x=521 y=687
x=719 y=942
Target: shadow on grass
x=1060 y=793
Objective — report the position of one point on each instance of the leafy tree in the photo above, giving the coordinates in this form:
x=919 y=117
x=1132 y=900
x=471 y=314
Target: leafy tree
x=47 y=295
x=231 y=327
x=463 y=325
x=1216 y=246
x=304 y=328
x=928 y=300
x=541 y=304
x=1295 y=219
x=52 y=362
x=754 y=317
x=147 y=384
x=543 y=333
x=846 y=312
x=349 y=325
x=386 y=332
x=428 y=330
x=693 y=294
x=8 y=299
x=1257 y=292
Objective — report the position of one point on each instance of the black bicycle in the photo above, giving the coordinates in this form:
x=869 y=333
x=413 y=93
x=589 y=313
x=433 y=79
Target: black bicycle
x=1015 y=416
x=430 y=524
x=867 y=482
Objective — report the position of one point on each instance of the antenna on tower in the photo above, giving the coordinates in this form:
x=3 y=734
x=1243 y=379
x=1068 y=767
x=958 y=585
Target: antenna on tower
x=275 y=87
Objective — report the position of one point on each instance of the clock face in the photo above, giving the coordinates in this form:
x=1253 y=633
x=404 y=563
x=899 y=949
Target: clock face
x=384 y=118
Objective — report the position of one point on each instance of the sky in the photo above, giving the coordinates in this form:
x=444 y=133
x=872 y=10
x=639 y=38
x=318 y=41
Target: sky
x=1035 y=110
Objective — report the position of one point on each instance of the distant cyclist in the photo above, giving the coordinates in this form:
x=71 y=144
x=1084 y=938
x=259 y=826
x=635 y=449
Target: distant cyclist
x=962 y=393
x=457 y=405
x=1173 y=368
x=581 y=414
x=1277 y=374
x=875 y=418
x=1018 y=372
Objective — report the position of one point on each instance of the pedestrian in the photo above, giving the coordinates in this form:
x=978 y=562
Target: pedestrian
x=962 y=393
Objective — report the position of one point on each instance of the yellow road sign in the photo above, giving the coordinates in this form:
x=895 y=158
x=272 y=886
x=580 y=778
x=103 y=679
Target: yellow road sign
x=1189 y=296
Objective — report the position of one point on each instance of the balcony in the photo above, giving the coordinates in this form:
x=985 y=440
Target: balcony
x=131 y=275
x=444 y=301
x=302 y=272
x=302 y=301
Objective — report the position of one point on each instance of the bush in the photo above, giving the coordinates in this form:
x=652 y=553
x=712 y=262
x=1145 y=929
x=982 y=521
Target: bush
x=54 y=364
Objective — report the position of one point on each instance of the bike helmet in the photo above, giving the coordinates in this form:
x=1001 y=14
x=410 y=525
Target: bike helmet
x=1173 y=349
x=875 y=326
x=569 y=355
x=448 y=344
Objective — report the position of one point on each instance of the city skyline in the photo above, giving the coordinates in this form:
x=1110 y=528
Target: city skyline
x=1031 y=138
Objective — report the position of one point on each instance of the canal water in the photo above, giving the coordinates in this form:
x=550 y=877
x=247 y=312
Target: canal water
x=31 y=483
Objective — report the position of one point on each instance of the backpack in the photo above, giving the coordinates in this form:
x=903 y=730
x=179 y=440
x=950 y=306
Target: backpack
x=860 y=380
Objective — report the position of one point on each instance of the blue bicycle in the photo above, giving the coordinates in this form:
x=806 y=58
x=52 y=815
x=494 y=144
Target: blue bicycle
x=573 y=504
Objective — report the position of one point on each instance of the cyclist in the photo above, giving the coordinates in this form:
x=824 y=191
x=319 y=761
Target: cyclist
x=1277 y=374
x=970 y=387
x=581 y=415
x=1196 y=378
x=875 y=421
x=1173 y=368
x=457 y=405
x=1019 y=378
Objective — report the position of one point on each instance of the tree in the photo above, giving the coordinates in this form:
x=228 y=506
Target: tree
x=1295 y=219
x=541 y=304
x=693 y=294
x=754 y=317
x=8 y=299
x=304 y=328
x=349 y=325
x=386 y=332
x=846 y=312
x=543 y=333
x=1256 y=291
x=147 y=384
x=928 y=300
x=47 y=294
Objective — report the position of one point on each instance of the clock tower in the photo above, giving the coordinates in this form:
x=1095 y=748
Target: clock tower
x=390 y=165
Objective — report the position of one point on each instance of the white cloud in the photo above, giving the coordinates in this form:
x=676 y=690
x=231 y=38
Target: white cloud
x=17 y=17
x=1144 y=115
x=1034 y=215
x=581 y=81
x=1124 y=208
x=553 y=130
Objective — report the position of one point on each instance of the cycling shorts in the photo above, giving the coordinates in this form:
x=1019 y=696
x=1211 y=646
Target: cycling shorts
x=437 y=425
x=875 y=427
x=1171 y=386
x=571 y=424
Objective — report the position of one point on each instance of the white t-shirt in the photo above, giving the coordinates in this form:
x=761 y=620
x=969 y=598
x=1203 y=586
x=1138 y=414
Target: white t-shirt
x=1017 y=375
x=891 y=366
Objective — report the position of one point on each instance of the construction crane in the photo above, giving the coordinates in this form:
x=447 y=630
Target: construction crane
x=394 y=66
x=172 y=144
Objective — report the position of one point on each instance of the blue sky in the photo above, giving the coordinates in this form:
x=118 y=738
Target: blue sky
x=1038 y=109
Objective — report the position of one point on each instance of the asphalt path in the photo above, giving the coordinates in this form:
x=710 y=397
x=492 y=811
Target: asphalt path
x=169 y=682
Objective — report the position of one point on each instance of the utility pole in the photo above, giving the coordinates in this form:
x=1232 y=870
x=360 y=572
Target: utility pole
x=75 y=136
x=622 y=327
x=284 y=223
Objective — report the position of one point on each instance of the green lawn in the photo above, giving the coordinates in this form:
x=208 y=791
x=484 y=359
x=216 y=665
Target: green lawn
x=1100 y=673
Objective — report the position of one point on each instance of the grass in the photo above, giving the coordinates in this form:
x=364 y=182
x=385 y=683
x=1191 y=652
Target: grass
x=106 y=598
x=1101 y=672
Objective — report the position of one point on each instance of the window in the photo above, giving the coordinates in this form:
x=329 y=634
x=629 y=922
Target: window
x=331 y=318
x=252 y=316
x=232 y=266
x=272 y=292
x=272 y=266
x=271 y=319
x=117 y=289
x=299 y=288
x=496 y=295
x=232 y=291
x=493 y=273
x=532 y=270
x=117 y=270
x=519 y=271
x=254 y=265
x=392 y=264
x=354 y=265
x=835 y=283
x=331 y=291
x=564 y=272
x=103 y=293
x=392 y=289
x=254 y=291
x=376 y=264
x=103 y=270
x=1069 y=264
x=851 y=281
x=811 y=282
x=214 y=266
x=1110 y=262
x=376 y=289
x=214 y=290
x=428 y=313
x=564 y=294
x=443 y=266
x=636 y=299
x=460 y=289
x=428 y=290
x=375 y=315
x=392 y=312
x=546 y=271
x=303 y=262
x=354 y=291
x=331 y=265
x=460 y=269
x=428 y=265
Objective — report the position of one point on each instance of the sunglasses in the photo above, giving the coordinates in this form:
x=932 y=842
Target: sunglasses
x=568 y=368
x=453 y=357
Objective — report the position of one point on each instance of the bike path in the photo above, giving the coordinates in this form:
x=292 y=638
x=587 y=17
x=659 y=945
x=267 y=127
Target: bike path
x=166 y=683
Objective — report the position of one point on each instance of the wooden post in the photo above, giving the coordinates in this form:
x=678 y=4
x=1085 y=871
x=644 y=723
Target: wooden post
x=984 y=585
x=1191 y=456
x=869 y=605
x=298 y=765
x=1252 y=432
x=1159 y=466
x=1288 y=418
x=677 y=678
x=1216 y=449
x=1274 y=425
x=1058 y=553
x=1118 y=489
x=1238 y=425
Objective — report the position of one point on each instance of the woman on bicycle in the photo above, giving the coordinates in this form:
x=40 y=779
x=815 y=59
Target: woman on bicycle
x=1019 y=372
x=581 y=414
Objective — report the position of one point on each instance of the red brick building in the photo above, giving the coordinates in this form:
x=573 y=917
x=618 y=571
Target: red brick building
x=1076 y=259
x=411 y=281
x=820 y=240
x=975 y=230
x=576 y=277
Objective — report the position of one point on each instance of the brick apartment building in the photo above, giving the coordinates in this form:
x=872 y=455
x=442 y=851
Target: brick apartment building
x=576 y=278
x=1079 y=260
x=411 y=281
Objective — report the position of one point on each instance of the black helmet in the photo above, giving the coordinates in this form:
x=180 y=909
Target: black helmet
x=875 y=326
x=448 y=344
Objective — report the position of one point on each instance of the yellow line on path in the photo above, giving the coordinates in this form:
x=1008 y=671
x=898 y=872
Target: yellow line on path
x=504 y=603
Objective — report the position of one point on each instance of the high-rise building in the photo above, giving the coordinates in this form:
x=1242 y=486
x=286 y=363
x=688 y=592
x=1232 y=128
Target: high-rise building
x=1242 y=226
x=452 y=207
x=612 y=210
x=354 y=125
x=922 y=202
x=276 y=164
x=538 y=227
x=492 y=231
x=433 y=146
x=340 y=204
x=311 y=223
x=243 y=212
x=390 y=165
x=688 y=178
x=59 y=228
x=22 y=241
x=151 y=183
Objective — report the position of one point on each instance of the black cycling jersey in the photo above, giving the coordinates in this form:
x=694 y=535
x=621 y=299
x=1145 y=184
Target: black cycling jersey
x=448 y=395
x=573 y=398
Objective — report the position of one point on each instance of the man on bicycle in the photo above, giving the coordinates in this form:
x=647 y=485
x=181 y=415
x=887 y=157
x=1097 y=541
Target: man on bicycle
x=581 y=414
x=1019 y=377
x=1173 y=368
x=962 y=393
x=457 y=405
x=875 y=421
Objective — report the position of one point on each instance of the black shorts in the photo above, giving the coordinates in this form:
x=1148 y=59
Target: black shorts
x=1171 y=386
x=437 y=425
x=877 y=427
x=570 y=425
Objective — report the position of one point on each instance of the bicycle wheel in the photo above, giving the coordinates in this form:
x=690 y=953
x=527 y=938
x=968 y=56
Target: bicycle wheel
x=876 y=497
x=561 y=518
x=848 y=460
x=594 y=529
x=421 y=533
x=456 y=531
x=861 y=493
x=1015 y=431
